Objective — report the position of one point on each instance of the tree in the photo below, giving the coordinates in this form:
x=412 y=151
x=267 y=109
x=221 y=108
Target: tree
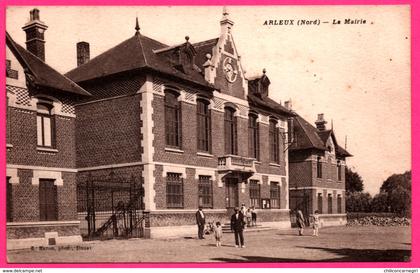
x=394 y=195
x=358 y=202
x=354 y=182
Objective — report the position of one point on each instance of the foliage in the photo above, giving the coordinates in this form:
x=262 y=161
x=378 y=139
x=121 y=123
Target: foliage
x=358 y=202
x=354 y=182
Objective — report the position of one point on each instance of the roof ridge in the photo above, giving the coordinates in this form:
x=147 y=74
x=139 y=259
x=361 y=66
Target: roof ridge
x=142 y=48
x=206 y=42
x=14 y=45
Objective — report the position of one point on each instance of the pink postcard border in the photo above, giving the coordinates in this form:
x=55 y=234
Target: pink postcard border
x=415 y=114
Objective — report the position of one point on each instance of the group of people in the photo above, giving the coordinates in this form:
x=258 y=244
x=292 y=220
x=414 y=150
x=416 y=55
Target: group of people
x=300 y=221
x=247 y=217
x=240 y=219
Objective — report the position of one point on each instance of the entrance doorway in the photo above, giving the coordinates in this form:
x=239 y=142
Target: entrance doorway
x=232 y=198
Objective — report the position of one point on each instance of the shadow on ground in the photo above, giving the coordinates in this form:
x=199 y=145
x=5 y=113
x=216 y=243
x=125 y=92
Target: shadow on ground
x=346 y=255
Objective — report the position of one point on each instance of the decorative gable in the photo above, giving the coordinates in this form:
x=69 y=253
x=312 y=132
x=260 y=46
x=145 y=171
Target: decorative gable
x=223 y=67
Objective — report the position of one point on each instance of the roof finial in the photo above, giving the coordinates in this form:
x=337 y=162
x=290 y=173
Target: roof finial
x=332 y=124
x=137 y=28
x=187 y=38
x=264 y=71
x=225 y=11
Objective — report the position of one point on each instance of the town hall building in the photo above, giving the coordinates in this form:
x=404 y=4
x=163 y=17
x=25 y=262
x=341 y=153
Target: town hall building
x=133 y=141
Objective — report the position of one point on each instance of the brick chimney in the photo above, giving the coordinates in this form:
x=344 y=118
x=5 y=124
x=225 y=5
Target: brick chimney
x=35 y=29
x=83 y=53
x=320 y=122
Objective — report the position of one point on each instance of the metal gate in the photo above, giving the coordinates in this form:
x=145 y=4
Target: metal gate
x=112 y=206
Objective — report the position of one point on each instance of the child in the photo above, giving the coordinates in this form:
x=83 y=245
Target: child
x=315 y=223
x=218 y=234
x=248 y=216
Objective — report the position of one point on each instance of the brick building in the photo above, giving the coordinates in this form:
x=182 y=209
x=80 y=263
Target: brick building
x=184 y=120
x=317 y=171
x=41 y=154
x=157 y=129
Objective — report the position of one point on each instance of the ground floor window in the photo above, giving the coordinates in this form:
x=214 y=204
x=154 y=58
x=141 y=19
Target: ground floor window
x=339 y=203
x=205 y=191
x=254 y=193
x=320 y=203
x=275 y=195
x=174 y=191
x=9 y=201
x=47 y=200
x=330 y=203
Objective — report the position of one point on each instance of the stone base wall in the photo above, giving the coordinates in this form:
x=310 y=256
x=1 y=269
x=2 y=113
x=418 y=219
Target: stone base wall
x=34 y=234
x=328 y=220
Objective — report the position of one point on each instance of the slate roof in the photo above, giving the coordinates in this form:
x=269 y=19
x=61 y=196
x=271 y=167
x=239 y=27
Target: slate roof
x=134 y=53
x=268 y=104
x=309 y=137
x=43 y=74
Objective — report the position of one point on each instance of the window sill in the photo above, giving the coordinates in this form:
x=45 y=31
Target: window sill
x=9 y=146
x=48 y=150
x=204 y=154
x=172 y=150
x=257 y=162
x=275 y=165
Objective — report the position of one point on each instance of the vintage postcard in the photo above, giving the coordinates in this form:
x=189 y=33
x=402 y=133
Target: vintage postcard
x=208 y=134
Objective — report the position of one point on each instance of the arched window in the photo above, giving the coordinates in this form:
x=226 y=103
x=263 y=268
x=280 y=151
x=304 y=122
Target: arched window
x=253 y=137
x=203 y=126
x=172 y=119
x=45 y=125
x=231 y=146
x=274 y=141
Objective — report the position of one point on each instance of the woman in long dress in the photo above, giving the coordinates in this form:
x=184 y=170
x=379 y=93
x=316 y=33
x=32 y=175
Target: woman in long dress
x=300 y=221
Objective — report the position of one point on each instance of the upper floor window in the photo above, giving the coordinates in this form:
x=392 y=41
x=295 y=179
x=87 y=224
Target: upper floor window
x=172 y=119
x=274 y=141
x=231 y=145
x=203 y=126
x=318 y=167
x=253 y=137
x=45 y=125
x=338 y=170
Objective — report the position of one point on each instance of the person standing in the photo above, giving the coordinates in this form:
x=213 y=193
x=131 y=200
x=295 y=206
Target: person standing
x=315 y=220
x=300 y=221
x=237 y=224
x=254 y=216
x=218 y=234
x=201 y=222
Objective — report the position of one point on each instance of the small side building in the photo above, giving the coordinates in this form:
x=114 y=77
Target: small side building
x=317 y=172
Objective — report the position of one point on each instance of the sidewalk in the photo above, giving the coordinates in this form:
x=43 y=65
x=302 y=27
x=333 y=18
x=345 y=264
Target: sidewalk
x=333 y=244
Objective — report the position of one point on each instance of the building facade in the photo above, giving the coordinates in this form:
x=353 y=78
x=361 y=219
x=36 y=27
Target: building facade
x=317 y=172
x=41 y=155
x=145 y=133
x=186 y=122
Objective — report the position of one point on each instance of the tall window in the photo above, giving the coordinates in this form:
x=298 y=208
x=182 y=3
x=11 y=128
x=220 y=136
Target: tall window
x=338 y=170
x=318 y=167
x=254 y=193
x=320 y=203
x=172 y=120
x=45 y=125
x=203 y=126
x=47 y=200
x=274 y=141
x=253 y=137
x=205 y=191
x=275 y=195
x=9 y=201
x=174 y=191
x=339 y=203
x=330 y=203
x=231 y=146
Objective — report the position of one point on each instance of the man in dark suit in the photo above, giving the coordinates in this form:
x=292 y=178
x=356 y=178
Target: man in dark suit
x=237 y=224
x=201 y=222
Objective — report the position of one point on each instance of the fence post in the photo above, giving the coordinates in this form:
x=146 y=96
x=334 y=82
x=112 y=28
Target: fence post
x=147 y=233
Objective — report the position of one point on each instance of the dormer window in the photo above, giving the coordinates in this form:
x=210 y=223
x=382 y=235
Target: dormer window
x=274 y=141
x=45 y=125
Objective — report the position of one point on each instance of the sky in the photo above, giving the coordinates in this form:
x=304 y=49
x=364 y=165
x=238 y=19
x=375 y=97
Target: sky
x=358 y=75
